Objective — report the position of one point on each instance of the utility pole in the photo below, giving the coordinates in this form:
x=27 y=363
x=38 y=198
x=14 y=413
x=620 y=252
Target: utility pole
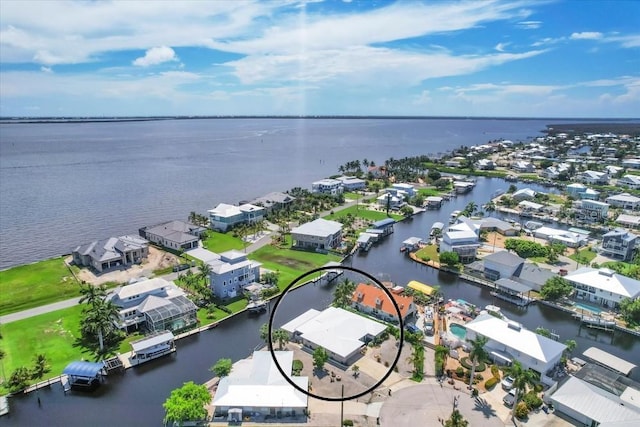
x=342 y=407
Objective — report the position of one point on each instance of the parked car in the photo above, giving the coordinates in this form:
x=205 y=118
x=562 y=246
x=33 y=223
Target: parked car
x=412 y=328
x=181 y=267
x=428 y=327
x=507 y=383
x=510 y=398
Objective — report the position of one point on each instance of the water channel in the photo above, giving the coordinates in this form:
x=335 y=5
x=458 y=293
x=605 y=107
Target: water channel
x=135 y=398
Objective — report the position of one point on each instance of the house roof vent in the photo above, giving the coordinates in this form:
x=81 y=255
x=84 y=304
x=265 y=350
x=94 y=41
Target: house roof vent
x=514 y=325
x=606 y=272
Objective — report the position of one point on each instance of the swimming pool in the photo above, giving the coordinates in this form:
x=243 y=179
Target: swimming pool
x=588 y=307
x=458 y=330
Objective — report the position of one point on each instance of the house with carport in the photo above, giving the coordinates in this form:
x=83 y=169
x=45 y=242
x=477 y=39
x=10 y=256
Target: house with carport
x=509 y=340
x=603 y=286
x=255 y=390
x=372 y=300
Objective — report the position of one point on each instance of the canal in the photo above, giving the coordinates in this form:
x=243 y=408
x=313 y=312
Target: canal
x=135 y=398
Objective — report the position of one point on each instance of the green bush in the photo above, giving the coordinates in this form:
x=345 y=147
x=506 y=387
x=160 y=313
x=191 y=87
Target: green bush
x=297 y=367
x=347 y=423
x=491 y=382
x=467 y=364
x=495 y=371
x=460 y=372
x=537 y=388
x=522 y=411
x=532 y=400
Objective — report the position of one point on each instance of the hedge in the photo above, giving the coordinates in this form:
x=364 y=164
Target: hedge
x=491 y=382
x=495 y=371
x=532 y=400
x=467 y=364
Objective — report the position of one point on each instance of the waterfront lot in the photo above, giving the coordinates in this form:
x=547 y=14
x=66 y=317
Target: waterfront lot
x=222 y=242
x=36 y=284
x=361 y=211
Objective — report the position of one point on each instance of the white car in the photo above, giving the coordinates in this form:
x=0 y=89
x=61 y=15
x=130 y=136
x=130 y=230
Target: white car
x=507 y=383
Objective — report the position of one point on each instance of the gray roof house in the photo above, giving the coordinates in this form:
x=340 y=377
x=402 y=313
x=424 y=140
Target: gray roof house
x=232 y=273
x=274 y=201
x=619 y=244
x=502 y=264
x=630 y=181
x=154 y=305
x=319 y=235
x=174 y=234
x=624 y=200
x=111 y=253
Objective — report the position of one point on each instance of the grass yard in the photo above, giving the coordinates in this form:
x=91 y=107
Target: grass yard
x=37 y=284
x=222 y=242
x=429 y=251
x=584 y=255
x=427 y=192
x=352 y=196
x=52 y=334
x=360 y=212
x=290 y=263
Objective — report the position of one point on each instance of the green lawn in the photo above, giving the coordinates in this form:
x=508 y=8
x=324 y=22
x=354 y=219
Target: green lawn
x=37 y=284
x=584 y=254
x=428 y=192
x=359 y=211
x=52 y=334
x=290 y=263
x=430 y=251
x=222 y=242
x=352 y=196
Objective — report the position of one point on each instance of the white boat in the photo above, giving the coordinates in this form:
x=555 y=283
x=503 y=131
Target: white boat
x=257 y=306
x=454 y=215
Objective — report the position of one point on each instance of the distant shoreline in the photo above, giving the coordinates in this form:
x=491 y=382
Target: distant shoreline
x=588 y=122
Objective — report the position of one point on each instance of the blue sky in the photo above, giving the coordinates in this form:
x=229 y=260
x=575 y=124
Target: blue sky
x=444 y=58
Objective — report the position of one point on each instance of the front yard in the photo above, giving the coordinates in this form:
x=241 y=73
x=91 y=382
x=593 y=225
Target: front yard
x=221 y=242
x=361 y=211
x=428 y=253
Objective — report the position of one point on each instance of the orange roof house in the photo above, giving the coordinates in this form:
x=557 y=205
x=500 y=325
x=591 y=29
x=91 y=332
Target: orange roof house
x=372 y=300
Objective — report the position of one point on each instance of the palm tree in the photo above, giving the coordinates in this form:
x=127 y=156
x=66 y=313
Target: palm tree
x=521 y=379
x=92 y=294
x=99 y=320
x=40 y=367
x=205 y=271
x=281 y=337
x=417 y=359
x=264 y=333
x=456 y=420
x=490 y=207
x=477 y=354
x=356 y=370
x=343 y=293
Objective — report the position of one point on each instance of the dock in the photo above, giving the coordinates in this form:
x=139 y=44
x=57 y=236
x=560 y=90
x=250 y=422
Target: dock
x=4 y=405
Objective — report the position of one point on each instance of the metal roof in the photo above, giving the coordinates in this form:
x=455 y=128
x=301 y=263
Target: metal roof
x=512 y=285
x=420 y=287
x=609 y=360
x=83 y=369
x=383 y=222
x=151 y=341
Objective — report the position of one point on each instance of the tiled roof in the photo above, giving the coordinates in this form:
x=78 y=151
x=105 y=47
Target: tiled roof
x=367 y=295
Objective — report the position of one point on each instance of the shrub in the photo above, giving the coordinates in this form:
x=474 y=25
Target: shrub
x=491 y=382
x=474 y=392
x=347 y=423
x=522 y=411
x=460 y=372
x=297 y=367
x=537 y=388
x=532 y=400
x=495 y=371
x=467 y=364
x=386 y=363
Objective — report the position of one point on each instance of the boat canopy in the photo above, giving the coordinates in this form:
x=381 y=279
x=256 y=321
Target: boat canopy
x=82 y=369
x=421 y=287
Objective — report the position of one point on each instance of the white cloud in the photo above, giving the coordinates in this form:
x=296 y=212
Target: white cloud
x=586 y=35
x=500 y=46
x=626 y=41
x=155 y=56
x=529 y=25
x=423 y=99
x=46 y=69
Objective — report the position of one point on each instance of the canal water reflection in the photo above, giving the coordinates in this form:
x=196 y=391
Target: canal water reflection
x=135 y=399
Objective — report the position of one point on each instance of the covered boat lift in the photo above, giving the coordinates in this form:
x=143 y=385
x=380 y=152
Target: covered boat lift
x=152 y=347
x=609 y=361
x=512 y=291
x=82 y=375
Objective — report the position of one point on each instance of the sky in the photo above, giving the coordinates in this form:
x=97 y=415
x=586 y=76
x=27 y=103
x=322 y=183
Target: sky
x=418 y=58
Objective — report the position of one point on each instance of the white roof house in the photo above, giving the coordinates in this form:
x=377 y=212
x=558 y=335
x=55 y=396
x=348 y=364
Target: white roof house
x=568 y=238
x=532 y=350
x=524 y=194
x=256 y=384
x=624 y=200
x=603 y=286
x=587 y=403
x=340 y=332
x=320 y=228
x=526 y=205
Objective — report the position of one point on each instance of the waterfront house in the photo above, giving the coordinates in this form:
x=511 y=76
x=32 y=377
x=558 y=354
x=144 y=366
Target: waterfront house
x=593 y=177
x=530 y=207
x=372 y=300
x=590 y=194
x=231 y=273
x=485 y=164
x=341 y=333
x=629 y=181
x=224 y=217
x=320 y=235
x=619 y=244
x=591 y=210
x=153 y=305
x=103 y=255
x=570 y=239
x=575 y=189
x=502 y=264
x=434 y=202
x=630 y=221
x=624 y=201
x=524 y=194
x=176 y=235
x=509 y=341
x=631 y=163
x=406 y=190
x=603 y=286
x=523 y=166
x=274 y=201
x=388 y=200
x=613 y=170
x=351 y=183
x=332 y=187
x=255 y=389
x=463 y=242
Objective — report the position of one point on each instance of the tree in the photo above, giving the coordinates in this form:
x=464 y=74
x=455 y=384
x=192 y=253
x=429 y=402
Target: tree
x=512 y=189
x=450 y=258
x=270 y=278
x=320 y=357
x=555 y=288
x=97 y=322
x=490 y=207
x=205 y=271
x=406 y=211
x=456 y=420
x=187 y=404
x=434 y=175
x=521 y=379
x=40 y=367
x=264 y=333
x=417 y=360
x=343 y=293
x=222 y=367
x=19 y=379
x=470 y=209
x=356 y=370
x=477 y=354
x=630 y=309
x=281 y=337
x=92 y=295
x=442 y=183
